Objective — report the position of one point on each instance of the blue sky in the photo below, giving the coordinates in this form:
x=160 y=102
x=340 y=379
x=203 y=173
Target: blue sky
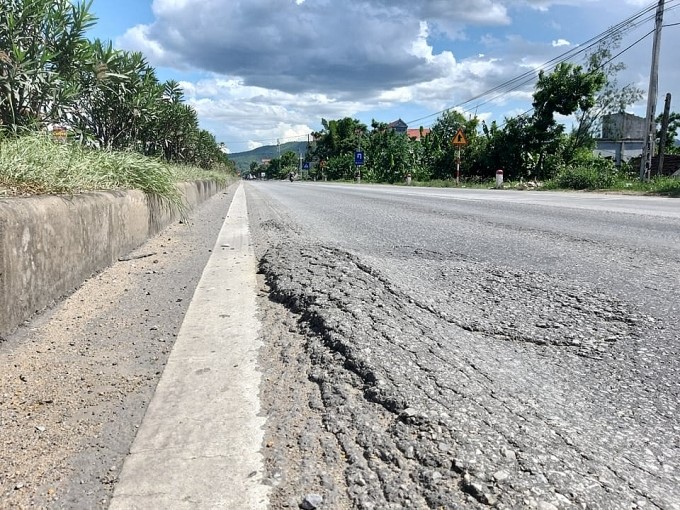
x=261 y=70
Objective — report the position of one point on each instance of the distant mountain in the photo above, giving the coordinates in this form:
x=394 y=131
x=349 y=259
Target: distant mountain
x=244 y=159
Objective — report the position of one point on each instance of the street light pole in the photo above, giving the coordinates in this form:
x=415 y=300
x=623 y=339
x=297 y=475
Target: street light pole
x=650 y=130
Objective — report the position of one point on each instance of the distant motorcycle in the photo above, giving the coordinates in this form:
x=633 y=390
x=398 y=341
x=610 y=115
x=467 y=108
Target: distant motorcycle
x=290 y=176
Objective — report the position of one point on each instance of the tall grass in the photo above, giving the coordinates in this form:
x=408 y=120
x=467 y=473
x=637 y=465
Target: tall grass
x=37 y=164
x=588 y=179
x=667 y=186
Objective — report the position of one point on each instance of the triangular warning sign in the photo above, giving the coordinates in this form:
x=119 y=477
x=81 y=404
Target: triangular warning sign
x=459 y=138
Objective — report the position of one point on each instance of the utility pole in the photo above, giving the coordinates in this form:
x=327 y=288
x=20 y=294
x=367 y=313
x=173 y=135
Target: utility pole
x=278 y=164
x=648 y=150
x=664 y=132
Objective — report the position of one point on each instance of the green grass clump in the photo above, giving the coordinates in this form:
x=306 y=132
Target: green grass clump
x=666 y=186
x=185 y=173
x=591 y=180
x=451 y=183
x=36 y=164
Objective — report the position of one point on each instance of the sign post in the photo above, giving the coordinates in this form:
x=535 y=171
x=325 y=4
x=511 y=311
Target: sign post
x=458 y=141
x=358 y=161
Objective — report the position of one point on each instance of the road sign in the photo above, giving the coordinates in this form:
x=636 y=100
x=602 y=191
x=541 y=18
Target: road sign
x=459 y=138
x=358 y=158
x=305 y=165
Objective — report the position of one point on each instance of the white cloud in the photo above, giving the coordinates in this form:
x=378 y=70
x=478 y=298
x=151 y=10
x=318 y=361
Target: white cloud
x=137 y=39
x=270 y=67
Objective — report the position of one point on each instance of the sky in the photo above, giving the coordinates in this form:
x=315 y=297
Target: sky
x=262 y=71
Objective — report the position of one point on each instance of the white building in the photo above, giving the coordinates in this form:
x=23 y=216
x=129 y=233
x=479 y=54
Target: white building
x=622 y=137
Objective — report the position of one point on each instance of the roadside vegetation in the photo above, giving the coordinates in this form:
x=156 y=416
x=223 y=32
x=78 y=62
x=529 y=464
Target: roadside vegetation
x=77 y=115
x=530 y=148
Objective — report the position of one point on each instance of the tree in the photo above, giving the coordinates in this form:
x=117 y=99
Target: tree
x=439 y=153
x=280 y=168
x=507 y=147
x=118 y=99
x=610 y=99
x=338 y=137
x=206 y=152
x=672 y=134
x=335 y=145
x=389 y=155
x=254 y=168
x=42 y=46
x=564 y=91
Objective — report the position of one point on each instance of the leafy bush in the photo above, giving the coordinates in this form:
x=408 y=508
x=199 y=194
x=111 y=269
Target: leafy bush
x=586 y=171
x=667 y=186
x=583 y=178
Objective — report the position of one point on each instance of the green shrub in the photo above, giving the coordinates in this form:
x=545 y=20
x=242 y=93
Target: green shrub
x=580 y=178
x=666 y=185
x=586 y=171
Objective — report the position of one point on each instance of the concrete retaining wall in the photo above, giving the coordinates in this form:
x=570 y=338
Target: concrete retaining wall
x=51 y=245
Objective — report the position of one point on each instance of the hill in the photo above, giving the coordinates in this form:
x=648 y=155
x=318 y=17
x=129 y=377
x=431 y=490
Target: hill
x=244 y=159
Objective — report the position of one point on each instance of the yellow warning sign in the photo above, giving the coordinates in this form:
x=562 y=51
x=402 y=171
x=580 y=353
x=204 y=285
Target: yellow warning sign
x=459 y=138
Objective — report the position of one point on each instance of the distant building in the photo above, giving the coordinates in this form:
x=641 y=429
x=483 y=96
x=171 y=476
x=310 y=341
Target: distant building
x=623 y=126
x=623 y=137
x=415 y=133
x=398 y=126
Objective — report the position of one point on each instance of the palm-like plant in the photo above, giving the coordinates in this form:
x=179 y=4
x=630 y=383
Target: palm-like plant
x=118 y=97
x=42 y=44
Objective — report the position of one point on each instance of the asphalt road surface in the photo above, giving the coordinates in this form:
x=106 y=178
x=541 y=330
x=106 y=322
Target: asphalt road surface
x=466 y=348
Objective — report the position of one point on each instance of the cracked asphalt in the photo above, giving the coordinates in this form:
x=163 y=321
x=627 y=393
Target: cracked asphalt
x=422 y=348
x=456 y=350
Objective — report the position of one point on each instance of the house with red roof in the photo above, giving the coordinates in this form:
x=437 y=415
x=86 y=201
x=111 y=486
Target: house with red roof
x=399 y=126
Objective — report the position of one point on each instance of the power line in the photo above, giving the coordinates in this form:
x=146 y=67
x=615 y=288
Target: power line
x=627 y=24
x=608 y=61
x=632 y=22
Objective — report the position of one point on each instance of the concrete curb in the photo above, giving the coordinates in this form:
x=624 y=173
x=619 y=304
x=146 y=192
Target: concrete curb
x=199 y=445
x=50 y=245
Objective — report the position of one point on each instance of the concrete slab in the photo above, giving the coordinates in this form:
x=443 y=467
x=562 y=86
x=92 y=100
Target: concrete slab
x=199 y=443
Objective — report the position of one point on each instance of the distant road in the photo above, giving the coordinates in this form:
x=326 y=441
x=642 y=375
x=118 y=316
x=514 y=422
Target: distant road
x=539 y=328
x=614 y=202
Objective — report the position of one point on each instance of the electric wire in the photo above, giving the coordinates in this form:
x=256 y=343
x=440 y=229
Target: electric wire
x=518 y=82
x=627 y=25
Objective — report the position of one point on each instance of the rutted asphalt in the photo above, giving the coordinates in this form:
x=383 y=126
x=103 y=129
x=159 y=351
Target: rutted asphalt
x=417 y=353
x=451 y=380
